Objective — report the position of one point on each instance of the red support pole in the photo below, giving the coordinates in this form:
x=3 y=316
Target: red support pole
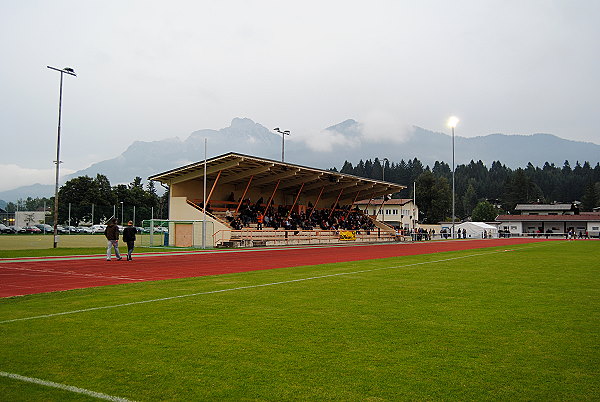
x=295 y=201
x=336 y=201
x=243 y=195
x=316 y=202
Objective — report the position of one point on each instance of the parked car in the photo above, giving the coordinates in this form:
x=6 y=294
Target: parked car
x=32 y=229
x=45 y=228
x=73 y=229
x=85 y=229
x=5 y=229
x=16 y=229
x=98 y=228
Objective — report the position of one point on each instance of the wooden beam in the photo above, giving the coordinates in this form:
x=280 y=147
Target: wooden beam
x=247 y=173
x=273 y=178
x=350 y=209
x=335 y=204
x=272 y=196
x=316 y=202
x=295 y=201
x=209 y=170
x=213 y=187
x=341 y=186
x=302 y=180
x=319 y=184
x=243 y=195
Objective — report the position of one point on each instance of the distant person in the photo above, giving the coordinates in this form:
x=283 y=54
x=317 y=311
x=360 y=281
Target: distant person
x=259 y=221
x=112 y=235
x=129 y=238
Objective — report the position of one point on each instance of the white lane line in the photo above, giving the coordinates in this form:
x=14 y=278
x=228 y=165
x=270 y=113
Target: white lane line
x=67 y=273
x=249 y=287
x=65 y=387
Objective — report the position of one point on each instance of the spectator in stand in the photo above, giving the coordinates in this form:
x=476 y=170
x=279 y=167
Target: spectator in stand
x=259 y=220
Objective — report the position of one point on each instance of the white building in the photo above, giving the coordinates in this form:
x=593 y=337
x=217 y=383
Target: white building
x=29 y=218
x=550 y=218
x=395 y=212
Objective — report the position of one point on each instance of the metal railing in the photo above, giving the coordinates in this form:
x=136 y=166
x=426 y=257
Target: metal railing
x=252 y=237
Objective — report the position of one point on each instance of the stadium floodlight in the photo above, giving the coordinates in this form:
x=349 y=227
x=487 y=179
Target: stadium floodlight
x=452 y=122
x=69 y=71
x=283 y=134
x=383 y=168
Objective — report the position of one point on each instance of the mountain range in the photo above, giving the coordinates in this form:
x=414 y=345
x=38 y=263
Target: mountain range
x=331 y=147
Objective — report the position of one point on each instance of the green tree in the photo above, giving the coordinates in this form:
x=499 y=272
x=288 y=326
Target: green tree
x=470 y=198
x=484 y=212
x=590 y=197
x=433 y=197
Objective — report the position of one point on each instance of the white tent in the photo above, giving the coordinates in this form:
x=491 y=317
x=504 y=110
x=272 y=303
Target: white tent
x=475 y=230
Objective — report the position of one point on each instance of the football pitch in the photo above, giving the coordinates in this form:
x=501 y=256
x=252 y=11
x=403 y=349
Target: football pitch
x=504 y=323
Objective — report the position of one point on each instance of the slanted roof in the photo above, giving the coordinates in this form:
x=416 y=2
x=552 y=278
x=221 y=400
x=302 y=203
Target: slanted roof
x=543 y=207
x=549 y=218
x=237 y=168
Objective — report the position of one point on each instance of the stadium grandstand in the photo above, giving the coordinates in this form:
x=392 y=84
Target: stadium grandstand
x=251 y=201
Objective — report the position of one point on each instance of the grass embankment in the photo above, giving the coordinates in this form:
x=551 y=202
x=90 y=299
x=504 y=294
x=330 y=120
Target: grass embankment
x=515 y=325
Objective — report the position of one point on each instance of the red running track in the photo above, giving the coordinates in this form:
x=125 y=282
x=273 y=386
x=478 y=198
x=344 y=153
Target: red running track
x=23 y=276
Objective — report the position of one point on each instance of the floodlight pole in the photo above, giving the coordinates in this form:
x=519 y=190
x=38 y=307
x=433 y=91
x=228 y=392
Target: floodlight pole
x=453 y=195
x=383 y=168
x=69 y=71
x=452 y=122
x=283 y=134
x=204 y=201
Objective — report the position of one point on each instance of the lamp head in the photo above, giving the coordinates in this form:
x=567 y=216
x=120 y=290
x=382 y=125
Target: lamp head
x=453 y=121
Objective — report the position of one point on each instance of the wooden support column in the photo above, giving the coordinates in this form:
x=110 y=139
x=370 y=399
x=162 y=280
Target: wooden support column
x=213 y=188
x=243 y=195
x=382 y=217
x=295 y=201
x=369 y=203
x=335 y=203
x=316 y=202
x=350 y=210
x=272 y=195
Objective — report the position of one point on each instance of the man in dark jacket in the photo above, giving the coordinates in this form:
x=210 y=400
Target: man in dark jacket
x=129 y=238
x=112 y=235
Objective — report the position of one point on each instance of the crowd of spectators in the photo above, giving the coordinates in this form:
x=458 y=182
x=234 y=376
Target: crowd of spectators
x=342 y=218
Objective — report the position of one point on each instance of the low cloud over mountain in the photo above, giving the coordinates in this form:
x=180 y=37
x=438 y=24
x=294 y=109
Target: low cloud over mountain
x=348 y=140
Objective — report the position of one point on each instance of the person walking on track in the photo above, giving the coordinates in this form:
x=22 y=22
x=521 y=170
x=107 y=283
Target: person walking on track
x=112 y=235
x=129 y=238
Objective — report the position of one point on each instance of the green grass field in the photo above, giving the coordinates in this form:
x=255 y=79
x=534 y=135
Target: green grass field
x=37 y=242
x=471 y=325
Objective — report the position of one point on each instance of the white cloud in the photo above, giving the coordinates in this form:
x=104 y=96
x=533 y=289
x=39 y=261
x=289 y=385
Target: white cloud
x=379 y=126
x=14 y=176
x=327 y=140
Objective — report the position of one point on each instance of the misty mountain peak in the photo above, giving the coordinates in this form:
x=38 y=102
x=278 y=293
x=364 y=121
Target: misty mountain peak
x=347 y=126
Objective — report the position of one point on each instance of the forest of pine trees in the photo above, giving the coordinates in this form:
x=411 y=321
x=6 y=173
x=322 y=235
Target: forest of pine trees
x=475 y=182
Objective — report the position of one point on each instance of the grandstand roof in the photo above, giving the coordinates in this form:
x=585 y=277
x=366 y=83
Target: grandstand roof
x=237 y=168
x=393 y=201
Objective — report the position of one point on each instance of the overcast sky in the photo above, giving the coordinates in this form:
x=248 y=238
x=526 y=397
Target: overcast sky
x=149 y=70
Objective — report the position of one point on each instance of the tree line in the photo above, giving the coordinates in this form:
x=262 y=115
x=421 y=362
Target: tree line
x=481 y=192
x=94 y=200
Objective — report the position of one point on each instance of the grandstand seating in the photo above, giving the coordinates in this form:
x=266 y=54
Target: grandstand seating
x=300 y=231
